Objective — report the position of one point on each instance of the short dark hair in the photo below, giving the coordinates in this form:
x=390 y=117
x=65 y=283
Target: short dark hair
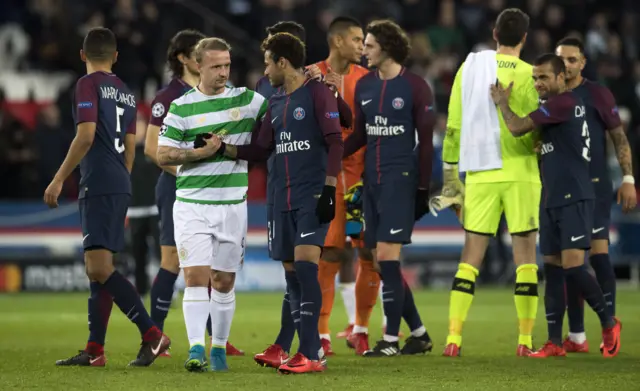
x=572 y=41
x=341 y=23
x=392 y=39
x=556 y=62
x=184 y=42
x=287 y=46
x=290 y=27
x=213 y=43
x=511 y=26
x=99 y=44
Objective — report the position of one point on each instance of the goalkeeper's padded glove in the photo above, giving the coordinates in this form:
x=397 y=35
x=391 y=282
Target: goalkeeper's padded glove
x=199 y=141
x=422 y=203
x=442 y=202
x=353 y=203
x=326 y=207
x=451 y=177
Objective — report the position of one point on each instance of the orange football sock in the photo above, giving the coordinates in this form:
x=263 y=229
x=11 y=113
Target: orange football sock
x=327 y=275
x=367 y=286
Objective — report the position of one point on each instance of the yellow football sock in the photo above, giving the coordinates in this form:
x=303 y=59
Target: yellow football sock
x=462 y=291
x=526 y=299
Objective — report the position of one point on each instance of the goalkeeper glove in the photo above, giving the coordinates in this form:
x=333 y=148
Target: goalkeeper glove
x=452 y=185
x=326 y=207
x=353 y=201
x=422 y=203
x=199 y=141
x=442 y=202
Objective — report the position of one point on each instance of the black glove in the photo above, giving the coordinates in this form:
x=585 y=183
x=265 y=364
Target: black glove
x=326 y=208
x=199 y=141
x=422 y=203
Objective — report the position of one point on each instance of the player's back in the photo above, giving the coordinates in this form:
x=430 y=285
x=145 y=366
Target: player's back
x=519 y=160
x=387 y=108
x=300 y=149
x=565 y=150
x=104 y=99
x=602 y=115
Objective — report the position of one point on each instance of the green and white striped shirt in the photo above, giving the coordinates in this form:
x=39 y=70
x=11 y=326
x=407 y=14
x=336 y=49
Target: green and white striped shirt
x=232 y=115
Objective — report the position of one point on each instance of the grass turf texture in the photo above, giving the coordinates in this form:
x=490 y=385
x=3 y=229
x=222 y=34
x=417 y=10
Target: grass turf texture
x=37 y=329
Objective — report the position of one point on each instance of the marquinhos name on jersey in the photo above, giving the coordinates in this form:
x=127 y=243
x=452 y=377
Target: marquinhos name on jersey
x=231 y=115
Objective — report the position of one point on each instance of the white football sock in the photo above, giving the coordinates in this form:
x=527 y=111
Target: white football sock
x=348 y=291
x=223 y=306
x=419 y=332
x=578 y=337
x=195 y=306
x=390 y=338
x=360 y=329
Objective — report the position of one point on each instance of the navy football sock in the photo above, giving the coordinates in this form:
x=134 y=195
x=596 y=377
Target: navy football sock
x=287 y=327
x=310 y=304
x=295 y=293
x=161 y=295
x=392 y=295
x=591 y=292
x=606 y=277
x=100 y=304
x=409 y=311
x=554 y=301
x=575 y=308
x=127 y=299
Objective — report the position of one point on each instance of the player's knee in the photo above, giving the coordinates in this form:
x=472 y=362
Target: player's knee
x=524 y=247
x=288 y=267
x=599 y=246
x=475 y=246
x=222 y=282
x=365 y=254
x=554 y=260
x=332 y=254
x=572 y=258
x=388 y=251
x=307 y=252
x=195 y=276
x=98 y=265
x=169 y=259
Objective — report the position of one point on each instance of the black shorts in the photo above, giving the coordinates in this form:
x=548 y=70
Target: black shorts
x=601 y=218
x=165 y=198
x=389 y=211
x=294 y=228
x=102 y=219
x=566 y=227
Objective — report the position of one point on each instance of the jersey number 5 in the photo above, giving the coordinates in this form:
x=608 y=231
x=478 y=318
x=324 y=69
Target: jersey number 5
x=586 y=151
x=118 y=141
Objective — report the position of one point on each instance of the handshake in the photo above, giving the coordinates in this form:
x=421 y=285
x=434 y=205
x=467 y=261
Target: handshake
x=209 y=144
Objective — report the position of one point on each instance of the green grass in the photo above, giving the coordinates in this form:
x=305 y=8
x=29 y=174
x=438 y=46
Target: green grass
x=37 y=329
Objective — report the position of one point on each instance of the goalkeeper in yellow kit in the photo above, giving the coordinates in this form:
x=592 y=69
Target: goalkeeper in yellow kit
x=513 y=188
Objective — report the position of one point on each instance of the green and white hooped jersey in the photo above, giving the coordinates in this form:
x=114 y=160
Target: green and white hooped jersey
x=231 y=115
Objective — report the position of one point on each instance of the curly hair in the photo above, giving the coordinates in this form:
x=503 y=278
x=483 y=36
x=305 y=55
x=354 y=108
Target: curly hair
x=287 y=46
x=392 y=39
x=183 y=43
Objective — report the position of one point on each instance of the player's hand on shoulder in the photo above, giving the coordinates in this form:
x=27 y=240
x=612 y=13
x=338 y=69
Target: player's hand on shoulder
x=333 y=80
x=627 y=197
x=500 y=94
x=313 y=72
x=52 y=193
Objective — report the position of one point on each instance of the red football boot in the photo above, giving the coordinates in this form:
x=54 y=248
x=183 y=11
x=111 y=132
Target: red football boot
x=326 y=347
x=611 y=340
x=300 y=364
x=346 y=332
x=359 y=342
x=451 y=350
x=571 y=346
x=549 y=350
x=233 y=351
x=523 y=351
x=273 y=357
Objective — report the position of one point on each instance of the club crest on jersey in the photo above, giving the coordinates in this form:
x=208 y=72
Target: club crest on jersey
x=182 y=254
x=298 y=113
x=234 y=113
x=398 y=103
x=157 y=110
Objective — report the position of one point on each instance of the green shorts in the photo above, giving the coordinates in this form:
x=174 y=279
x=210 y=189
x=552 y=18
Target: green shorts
x=485 y=202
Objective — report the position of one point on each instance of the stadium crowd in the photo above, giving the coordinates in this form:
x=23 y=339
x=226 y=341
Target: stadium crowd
x=44 y=35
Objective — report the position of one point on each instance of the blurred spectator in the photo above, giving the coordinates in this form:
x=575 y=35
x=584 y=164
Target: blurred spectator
x=51 y=144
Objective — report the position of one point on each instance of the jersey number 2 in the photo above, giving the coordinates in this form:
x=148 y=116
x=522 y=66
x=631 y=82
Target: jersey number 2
x=586 y=151
x=118 y=141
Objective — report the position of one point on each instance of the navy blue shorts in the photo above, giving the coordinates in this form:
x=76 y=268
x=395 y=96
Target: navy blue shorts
x=389 y=211
x=102 y=219
x=165 y=198
x=566 y=227
x=294 y=228
x=601 y=218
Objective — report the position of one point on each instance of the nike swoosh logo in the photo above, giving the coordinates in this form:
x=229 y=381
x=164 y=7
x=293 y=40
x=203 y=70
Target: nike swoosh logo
x=306 y=302
x=84 y=237
x=304 y=235
x=92 y=360
x=330 y=201
x=595 y=231
x=155 y=351
x=366 y=102
x=274 y=119
x=395 y=231
x=574 y=238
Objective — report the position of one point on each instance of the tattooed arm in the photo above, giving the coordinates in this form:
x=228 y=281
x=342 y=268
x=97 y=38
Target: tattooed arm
x=623 y=150
x=172 y=156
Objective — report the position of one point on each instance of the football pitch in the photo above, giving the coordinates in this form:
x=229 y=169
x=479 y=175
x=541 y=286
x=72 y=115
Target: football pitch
x=37 y=329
